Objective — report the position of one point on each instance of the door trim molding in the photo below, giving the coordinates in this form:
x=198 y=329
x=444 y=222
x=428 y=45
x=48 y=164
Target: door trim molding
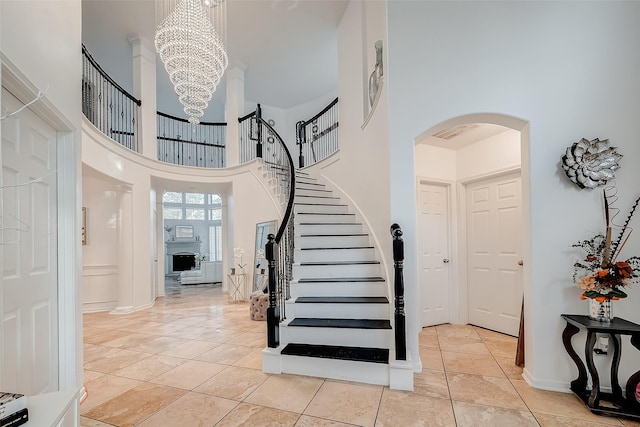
x=452 y=237
x=68 y=211
x=463 y=284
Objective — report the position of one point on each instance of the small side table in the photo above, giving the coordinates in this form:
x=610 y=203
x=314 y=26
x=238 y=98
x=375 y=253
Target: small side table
x=237 y=286
x=626 y=407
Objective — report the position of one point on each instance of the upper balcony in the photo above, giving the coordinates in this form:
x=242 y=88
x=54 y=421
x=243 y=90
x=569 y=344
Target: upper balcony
x=121 y=116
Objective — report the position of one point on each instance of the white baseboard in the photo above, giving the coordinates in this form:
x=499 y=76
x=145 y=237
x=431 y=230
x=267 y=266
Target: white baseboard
x=551 y=385
x=94 y=307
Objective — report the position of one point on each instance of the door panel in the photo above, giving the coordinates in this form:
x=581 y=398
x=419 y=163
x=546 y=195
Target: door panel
x=494 y=245
x=433 y=247
x=29 y=226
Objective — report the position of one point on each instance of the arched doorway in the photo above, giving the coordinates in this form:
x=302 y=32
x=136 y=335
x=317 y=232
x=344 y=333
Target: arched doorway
x=472 y=185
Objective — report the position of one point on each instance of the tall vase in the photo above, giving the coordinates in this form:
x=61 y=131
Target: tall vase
x=376 y=74
x=600 y=311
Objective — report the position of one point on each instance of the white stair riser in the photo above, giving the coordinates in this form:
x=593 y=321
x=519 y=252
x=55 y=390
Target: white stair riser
x=348 y=337
x=347 y=370
x=329 y=255
x=338 y=311
x=336 y=271
x=343 y=289
x=302 y=180
x=321 y=200
x=332 y=241
x=308 y=191
x=321 y=208
x=340 y=228
x=311 y=217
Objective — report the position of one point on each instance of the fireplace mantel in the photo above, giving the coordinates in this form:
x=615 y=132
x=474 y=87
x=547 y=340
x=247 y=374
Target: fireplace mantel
x=183 y=245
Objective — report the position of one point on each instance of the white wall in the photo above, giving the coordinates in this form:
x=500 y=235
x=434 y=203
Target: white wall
x=286 y=118
x=544 y=63
x=242 y=187
x=363 y=161
x=436 y=163
x=99 y=255
x=40 y=41
x=494 y=154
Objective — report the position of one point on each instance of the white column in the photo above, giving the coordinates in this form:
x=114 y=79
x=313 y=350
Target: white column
x=234 y=109
x=160 y=245
x=125 y=250
x=144 y=88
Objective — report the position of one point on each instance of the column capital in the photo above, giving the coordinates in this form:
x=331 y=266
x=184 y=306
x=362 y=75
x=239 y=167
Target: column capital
x=143 y=47
x=236 y=70
x=123 y=188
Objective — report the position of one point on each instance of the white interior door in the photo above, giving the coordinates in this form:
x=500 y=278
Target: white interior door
x=29 y=239
x=433 y=249
x=494 y=247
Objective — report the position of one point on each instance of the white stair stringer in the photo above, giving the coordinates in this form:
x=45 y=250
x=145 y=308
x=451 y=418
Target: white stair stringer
x=338 y=319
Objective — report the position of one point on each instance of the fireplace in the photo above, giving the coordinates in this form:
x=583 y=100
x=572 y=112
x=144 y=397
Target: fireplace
x=188 y=247
x=182 y=262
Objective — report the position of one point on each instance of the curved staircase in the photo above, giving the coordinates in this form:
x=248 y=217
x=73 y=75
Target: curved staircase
x=338 y=317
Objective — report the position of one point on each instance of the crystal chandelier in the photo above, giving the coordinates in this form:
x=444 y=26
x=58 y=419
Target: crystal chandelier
x=190 y=39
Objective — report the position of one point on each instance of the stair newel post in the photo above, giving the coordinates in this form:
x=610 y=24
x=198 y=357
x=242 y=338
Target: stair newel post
x=259 y=130
x=398 y=265
x=273 y=312
x=300 y=139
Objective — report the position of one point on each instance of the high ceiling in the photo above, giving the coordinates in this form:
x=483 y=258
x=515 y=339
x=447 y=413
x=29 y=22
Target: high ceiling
x=289 y=48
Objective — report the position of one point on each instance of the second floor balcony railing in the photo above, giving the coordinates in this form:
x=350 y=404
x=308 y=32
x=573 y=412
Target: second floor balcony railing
x=317 y=137
x=183 y=143
x=107 y=105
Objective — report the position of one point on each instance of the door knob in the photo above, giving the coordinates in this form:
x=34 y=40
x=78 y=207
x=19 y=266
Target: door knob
x=446 y=261
x=520 y=262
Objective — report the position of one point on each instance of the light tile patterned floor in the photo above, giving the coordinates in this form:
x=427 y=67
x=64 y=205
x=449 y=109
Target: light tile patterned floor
x=194 y=359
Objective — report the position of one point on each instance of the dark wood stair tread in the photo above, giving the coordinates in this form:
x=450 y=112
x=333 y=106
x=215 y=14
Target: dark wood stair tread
x=340 y=263
x=313 y=189
x=357 y=354
x=341 y=279
x=318 y=197
x=328 y=249
x=298 y=178
x=318 y=204
x=324 y=213
x=313 y=322
x=342 y=300
x=330 y=223
x=334 y=235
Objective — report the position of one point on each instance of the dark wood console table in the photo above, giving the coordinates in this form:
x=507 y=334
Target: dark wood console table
x=624 y=407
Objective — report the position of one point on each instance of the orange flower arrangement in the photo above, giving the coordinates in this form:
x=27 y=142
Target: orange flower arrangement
x=599 y=275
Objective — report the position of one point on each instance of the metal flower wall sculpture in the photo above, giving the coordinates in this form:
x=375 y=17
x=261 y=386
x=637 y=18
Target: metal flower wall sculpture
x=589 y=164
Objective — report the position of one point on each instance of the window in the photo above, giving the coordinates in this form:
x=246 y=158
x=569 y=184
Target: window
x=194 y=199
x=215 y=199
x=215 y=214
x=197 y=214
x=172 y=213
x=171 y=197
x=215 y=242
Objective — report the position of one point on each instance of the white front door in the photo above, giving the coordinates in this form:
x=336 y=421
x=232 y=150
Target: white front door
x=433 y=250
x=29 y=240
x=494 y=247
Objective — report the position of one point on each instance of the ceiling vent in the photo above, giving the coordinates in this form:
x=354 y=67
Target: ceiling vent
x=449 y=134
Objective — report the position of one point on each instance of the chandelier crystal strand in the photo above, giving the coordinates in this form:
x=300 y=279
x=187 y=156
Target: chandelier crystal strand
x=190 y=39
